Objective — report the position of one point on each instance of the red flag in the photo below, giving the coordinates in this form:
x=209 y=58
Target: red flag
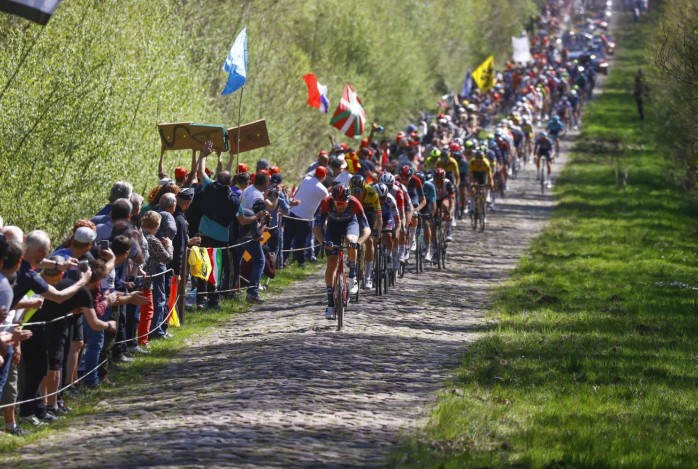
x=317 y=93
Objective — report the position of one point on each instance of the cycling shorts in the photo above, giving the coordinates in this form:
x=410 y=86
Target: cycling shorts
x=479 y=177
x=336 y=231
x=371 y=218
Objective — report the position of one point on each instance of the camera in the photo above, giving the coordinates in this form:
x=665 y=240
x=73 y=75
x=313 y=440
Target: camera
x=104 y=245
x=267 y=220
x=83 y=266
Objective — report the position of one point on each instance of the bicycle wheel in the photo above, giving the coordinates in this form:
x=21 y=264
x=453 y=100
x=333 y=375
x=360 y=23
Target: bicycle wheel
x=439 y=245
x=339 y=295
x=377 y=268
x=419 y=254
x=444 y=246
x=359 y=271
x=482 y=214
x=473 y=213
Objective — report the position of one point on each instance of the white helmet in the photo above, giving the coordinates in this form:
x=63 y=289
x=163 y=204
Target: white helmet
x=387 y=179
x=381 y=189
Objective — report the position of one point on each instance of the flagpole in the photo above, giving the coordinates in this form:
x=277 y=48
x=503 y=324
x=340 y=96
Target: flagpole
x=237 y=155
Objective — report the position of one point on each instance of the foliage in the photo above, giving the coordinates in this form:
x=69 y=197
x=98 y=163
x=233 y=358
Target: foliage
x=81 y=96
x=677 y=85
x=592 y=359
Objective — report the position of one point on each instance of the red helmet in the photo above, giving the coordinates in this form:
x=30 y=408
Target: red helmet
x=406 y=171
x=455 y=146
x=340 y=193
x=439 y=174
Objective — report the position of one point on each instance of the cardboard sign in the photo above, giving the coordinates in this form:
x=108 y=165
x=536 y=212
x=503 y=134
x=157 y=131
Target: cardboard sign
x=192 y=136
x=252 y=136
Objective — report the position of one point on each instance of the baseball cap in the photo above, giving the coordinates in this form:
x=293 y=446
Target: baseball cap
x=186 y=194
x=262 y=164
x=84 y=235
x=274 y=170
x=276 y=178
x=165 y=181
x=180 y=172
x=243 y=168
x=208 y=171
x=320 y=172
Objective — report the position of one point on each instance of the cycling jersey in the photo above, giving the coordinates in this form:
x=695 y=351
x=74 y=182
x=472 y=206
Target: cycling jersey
x=555 y=127
x=329 y=211
x=429 y=191
x=450 y=166
x=479 y=165
x=444 y=189
x=415 y=190
x=544 y=144
x=369 y=199
x=389 y=209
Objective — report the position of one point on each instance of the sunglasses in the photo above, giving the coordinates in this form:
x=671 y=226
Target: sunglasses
x=341 y=204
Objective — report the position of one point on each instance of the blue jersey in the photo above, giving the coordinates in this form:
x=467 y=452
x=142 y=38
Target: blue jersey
x=430 y=191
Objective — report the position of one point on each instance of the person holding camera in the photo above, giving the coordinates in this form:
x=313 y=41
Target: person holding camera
x=251 y=236
x=264 y=197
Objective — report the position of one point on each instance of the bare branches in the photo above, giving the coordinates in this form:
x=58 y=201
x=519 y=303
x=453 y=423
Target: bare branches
x=677 y=55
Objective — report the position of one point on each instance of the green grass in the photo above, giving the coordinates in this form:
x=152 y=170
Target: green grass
x=134 y=374
x=593 y=362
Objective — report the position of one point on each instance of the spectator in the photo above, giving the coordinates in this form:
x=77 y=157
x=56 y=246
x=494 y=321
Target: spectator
x=160 y=252
x=251 y=235
x=119 y=190
x=298 y=225
x=322 y=160
x=36 y=248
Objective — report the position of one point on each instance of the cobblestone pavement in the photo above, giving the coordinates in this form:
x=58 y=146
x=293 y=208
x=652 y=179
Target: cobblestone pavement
x=279 y=386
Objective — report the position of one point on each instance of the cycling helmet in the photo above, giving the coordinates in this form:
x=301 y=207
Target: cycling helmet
x=439 y=174
x=454 y=146
x=340 y=193
x=543 y=133
x=357 y=182
x=381 y=189
x=435 y=152
x=421 y=176
x=457 y=155
x=406 y=171
x=429 y=176
x=387 y=179
x=469 y=145
x=573 y=92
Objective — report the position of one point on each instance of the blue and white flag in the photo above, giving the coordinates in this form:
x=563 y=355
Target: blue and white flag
x=236 y=64
x=39 y=11
x=467 y=84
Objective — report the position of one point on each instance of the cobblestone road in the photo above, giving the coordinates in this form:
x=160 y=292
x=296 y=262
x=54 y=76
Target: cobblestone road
x=279 y=386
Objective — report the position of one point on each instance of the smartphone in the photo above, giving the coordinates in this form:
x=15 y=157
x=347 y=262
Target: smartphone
x=83 y=266
x=104 y=245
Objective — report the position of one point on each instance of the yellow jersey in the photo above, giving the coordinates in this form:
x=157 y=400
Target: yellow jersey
x=451 y=166
x=479 y=165
x=369 y=199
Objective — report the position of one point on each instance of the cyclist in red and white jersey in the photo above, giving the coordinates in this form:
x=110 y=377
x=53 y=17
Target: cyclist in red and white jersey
x=345 y=217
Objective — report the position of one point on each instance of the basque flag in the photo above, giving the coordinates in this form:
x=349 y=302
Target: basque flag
x=317 y=93
x=39 y=11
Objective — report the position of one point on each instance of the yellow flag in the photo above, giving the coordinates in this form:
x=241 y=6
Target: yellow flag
x=484 y=74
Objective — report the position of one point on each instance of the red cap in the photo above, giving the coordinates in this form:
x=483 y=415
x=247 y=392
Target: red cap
x=364 y=143
x=320 y=172
x=323 y=152
x=181 y=172
x=208 y=171
x=243 y=168
x=274 y=170
x=344 y=146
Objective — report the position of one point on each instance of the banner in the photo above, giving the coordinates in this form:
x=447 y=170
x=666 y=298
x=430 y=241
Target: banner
x=522 y=50
x=484 y=74
x=39 y=11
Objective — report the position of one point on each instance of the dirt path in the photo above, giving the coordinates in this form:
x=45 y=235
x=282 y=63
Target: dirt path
x=278 y=386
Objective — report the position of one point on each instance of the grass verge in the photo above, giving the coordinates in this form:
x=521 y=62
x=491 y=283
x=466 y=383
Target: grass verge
x=593 y=361
x=132 y=375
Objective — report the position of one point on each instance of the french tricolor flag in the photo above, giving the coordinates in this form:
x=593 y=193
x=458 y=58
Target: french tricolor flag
x=317 y=93
x=39 y=11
